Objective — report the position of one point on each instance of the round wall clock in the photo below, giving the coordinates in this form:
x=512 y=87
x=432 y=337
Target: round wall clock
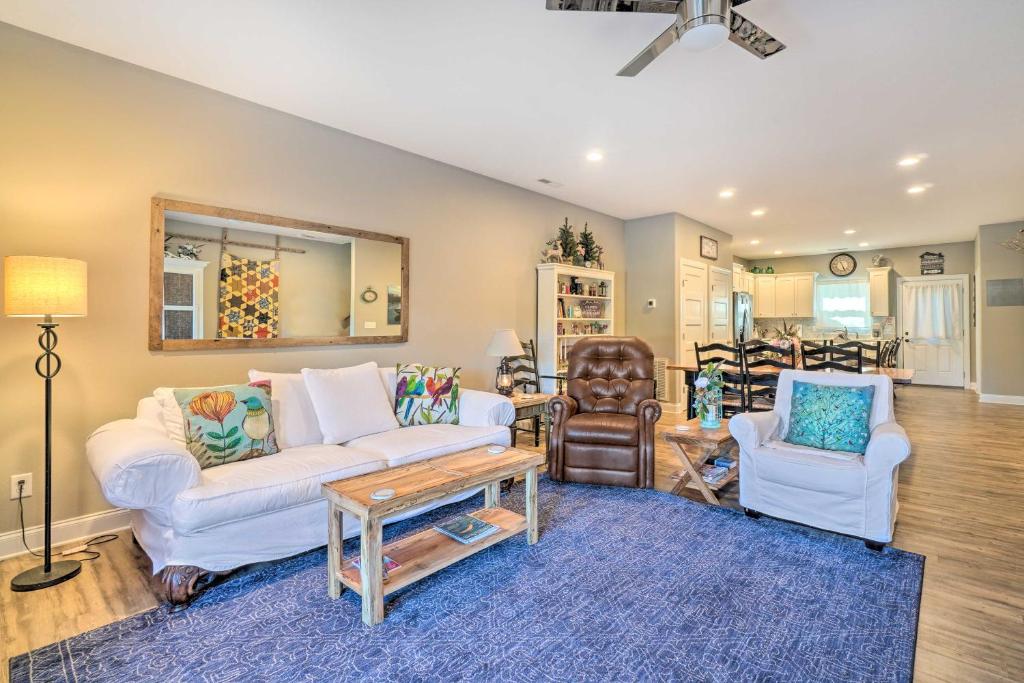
x=842 y=265
x=368 y=295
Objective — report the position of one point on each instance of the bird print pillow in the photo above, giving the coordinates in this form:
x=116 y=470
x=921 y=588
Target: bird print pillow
x=227 y=424
x=832 y=418
x=426 y=395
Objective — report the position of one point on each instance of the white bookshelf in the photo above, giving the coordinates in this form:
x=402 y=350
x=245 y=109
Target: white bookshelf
x=560 y=319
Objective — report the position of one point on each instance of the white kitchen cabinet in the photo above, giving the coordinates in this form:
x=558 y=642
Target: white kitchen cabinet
x=785 y=302
x=880 y=290
x=764 y=296
x=803 y=295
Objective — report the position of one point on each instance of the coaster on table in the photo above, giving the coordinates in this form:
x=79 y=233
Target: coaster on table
x=495 y=450
x=382 y=494
x=682 y=428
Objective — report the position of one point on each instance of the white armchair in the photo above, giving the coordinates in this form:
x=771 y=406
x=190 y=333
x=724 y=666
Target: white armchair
x=842 y=492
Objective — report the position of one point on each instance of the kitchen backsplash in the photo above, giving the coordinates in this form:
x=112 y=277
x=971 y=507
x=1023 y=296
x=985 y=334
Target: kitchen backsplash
x=807 y=329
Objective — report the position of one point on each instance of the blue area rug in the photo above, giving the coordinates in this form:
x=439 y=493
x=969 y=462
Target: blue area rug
x=624 y=585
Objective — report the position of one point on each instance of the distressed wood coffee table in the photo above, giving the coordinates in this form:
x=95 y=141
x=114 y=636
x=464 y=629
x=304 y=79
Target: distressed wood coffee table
x=428 y=551
x=706 y=444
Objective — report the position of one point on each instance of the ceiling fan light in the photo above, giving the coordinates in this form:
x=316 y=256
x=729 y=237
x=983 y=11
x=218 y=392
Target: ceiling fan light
x=705 y=36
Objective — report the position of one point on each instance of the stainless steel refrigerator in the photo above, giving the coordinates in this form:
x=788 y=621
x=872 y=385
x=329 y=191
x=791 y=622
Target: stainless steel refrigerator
x=743 y=316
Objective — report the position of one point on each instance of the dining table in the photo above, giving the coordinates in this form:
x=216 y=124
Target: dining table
x=690 y=372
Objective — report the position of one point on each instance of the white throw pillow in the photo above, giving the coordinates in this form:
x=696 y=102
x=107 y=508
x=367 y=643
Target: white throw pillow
x=294 y=417
x=349 y=402
x=173 y=421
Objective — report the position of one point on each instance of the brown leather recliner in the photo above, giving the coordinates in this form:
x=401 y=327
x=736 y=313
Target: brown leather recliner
x=602 y=431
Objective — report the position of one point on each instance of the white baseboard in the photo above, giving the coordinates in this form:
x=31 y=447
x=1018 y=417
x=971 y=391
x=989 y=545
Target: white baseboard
x=65 y=531
x=998 y=398
x=674 y=408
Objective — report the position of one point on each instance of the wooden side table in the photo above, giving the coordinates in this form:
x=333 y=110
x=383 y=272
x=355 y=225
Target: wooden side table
x=528 y=406
x=705 y=445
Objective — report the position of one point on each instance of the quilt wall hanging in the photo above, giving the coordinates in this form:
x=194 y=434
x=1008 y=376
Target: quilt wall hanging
x=249 y=302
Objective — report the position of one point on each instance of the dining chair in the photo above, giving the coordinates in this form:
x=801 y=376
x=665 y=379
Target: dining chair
x=831 y=357
x=760 y=359
x=890 y=353
x=527 y=380
x=734 y=395
x=872 y=351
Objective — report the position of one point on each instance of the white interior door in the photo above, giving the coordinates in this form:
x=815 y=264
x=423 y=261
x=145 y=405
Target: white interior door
x=934 y=320
x=693 y=305
x=719 y=300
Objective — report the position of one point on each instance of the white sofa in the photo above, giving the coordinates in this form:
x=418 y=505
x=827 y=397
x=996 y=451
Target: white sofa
x=842 y=492
x=194 y=522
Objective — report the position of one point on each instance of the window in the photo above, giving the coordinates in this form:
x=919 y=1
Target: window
x=843 y=303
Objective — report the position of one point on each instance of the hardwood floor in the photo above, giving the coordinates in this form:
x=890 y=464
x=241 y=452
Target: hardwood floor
x=961 y=504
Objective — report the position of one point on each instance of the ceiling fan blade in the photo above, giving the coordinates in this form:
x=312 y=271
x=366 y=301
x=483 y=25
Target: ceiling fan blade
x=652 y=6
x=752 y=37
x=651 y=52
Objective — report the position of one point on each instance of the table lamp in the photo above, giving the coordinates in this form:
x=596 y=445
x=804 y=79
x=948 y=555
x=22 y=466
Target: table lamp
x=47 y=288
x=505 y=343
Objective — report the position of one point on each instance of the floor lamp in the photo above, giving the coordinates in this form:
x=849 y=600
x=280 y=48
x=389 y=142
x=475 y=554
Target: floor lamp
x=47 y=288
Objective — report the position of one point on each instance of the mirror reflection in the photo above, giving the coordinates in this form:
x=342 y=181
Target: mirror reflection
x=230 y=279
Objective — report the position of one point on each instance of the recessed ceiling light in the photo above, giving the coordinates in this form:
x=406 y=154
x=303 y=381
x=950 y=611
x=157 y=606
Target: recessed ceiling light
x=755 y=241
x=757 y=213
x=864 y=244
x=727 y=193
x=912 y=160
x=849 y=232
x=778 y=252
x=595 y=155
x=917 y=189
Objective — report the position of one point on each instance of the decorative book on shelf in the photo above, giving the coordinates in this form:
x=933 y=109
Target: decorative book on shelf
x=466 y=528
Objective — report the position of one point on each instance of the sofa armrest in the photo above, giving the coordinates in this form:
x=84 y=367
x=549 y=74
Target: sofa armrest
x=752 y=430
x=137 y=466
x=888 y=447
x=484 y=409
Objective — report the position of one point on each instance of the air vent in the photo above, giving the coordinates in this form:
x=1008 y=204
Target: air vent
x=661 y=378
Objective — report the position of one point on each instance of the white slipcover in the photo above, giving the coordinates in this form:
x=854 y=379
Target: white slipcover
x=846 y=493
x=266 y=508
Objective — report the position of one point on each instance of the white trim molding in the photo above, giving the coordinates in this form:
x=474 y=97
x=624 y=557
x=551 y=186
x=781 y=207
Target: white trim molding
x=65 y=531
x=1000 y=398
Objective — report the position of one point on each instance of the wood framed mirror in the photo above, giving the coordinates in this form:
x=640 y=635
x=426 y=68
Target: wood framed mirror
x=228 y=279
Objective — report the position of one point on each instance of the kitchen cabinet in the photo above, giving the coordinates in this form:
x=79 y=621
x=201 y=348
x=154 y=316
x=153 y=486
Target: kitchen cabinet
x=785 y=293
x=880 y=291
x=803 y=295
x=790 y=295
x=764 y=296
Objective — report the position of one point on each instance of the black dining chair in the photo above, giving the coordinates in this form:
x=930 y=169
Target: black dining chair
x=831 y=357
x=527 y=380
x=734 y=395
x=872 y=351
x=888 y=356
x=762 y=386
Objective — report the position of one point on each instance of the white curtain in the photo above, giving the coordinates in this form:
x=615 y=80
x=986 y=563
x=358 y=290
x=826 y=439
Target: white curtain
x=842 y=303
x=933 y=311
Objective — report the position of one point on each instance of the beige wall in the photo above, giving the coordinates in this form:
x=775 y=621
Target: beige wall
x=1002 y=327
x=86 y=141
x=905 y=261
x=377 y=265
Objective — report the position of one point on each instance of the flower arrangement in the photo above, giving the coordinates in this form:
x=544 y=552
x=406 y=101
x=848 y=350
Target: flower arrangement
x=707 y=395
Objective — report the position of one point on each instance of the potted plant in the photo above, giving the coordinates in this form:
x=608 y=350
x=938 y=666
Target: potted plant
x=707 y=396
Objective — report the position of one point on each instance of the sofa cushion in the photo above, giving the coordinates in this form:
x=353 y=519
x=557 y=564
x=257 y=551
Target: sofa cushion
x=802 y=469
x=350 y=402
x=254 y=487
x=294 y=416
x=412 y=444
x=603 y=428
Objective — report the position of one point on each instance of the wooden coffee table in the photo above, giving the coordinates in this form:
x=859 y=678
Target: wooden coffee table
x=428 y=551
x=705 y=445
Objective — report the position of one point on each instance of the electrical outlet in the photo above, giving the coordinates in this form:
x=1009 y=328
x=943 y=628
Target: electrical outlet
x=370 y=325
x=652 y=303
x=27 y=491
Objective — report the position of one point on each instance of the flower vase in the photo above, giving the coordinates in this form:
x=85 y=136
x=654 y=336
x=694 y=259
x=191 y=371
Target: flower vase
x=713 y=415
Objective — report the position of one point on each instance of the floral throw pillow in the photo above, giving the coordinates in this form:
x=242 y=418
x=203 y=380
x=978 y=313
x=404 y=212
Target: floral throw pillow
x=832 y=418
x=227 y=424
x=426 y=395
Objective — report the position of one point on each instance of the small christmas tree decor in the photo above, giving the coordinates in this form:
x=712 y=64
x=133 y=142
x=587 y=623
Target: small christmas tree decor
x=591 y=250
x=568 y=239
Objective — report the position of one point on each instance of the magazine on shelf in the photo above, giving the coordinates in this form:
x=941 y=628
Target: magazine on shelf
x=726 y=461
x=712 y=474
x=466 y=528
x=388 y=565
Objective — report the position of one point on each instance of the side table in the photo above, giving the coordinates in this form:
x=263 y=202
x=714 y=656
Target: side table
x=529 y=406
x=705 y=445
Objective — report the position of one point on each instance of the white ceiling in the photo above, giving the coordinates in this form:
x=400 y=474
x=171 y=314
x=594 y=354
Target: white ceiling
x=515 y=92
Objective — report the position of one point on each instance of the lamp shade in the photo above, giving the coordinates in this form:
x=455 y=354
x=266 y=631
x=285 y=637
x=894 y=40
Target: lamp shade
x=505 y=343
x=39 y=286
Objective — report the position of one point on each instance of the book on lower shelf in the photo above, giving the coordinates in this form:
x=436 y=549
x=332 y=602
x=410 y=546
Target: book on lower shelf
x=726 y=461
x=712 y=474
x=466 y=528
x=387 y=565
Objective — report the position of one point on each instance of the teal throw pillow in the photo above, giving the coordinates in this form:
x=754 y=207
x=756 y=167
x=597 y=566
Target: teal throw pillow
x=227 y=424
x=832 y=418
x=426 y=395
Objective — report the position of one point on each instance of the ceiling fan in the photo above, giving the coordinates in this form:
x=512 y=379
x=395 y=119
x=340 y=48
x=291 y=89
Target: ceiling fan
x=699 y=25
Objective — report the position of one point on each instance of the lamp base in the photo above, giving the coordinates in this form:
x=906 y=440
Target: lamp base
x=35 y=578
